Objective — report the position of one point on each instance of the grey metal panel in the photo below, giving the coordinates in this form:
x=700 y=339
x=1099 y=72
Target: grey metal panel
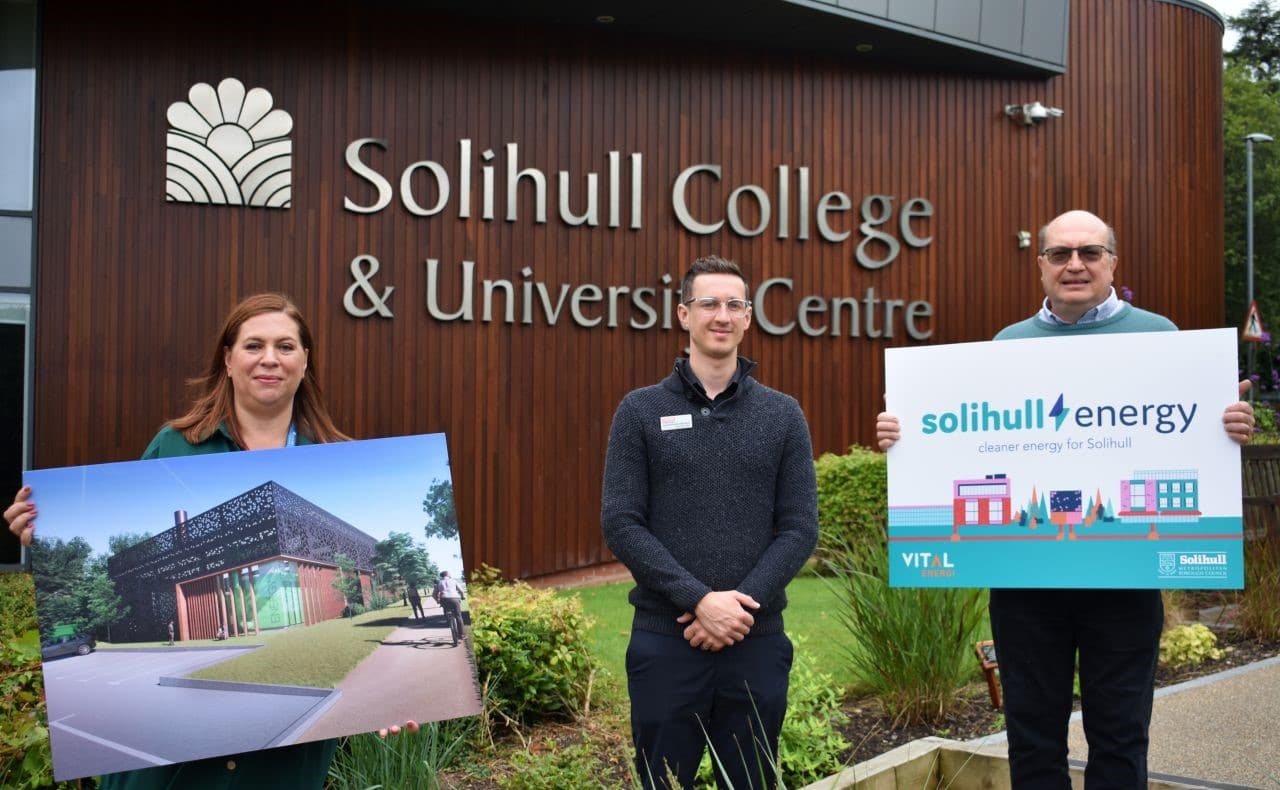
x=1002 y=24
x=959 y=18
x=1044 y=29
x=877 y=7
x=919 y=13
x=15 y=252
x=991 y=28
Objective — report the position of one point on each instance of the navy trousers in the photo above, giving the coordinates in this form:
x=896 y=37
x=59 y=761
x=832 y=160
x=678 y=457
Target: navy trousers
x=683 y=699
x=1037 y=635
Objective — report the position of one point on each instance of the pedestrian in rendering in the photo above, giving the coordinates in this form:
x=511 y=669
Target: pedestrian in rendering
x=415 y=600
x=1039 y=633
x=710 y=501
x=170 y=632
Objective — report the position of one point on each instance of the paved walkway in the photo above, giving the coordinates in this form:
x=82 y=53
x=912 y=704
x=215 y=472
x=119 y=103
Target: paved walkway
x=1218 y=731
x=416 y=673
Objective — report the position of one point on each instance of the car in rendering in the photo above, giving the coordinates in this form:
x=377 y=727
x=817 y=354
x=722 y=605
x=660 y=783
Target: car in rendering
x=67 y=645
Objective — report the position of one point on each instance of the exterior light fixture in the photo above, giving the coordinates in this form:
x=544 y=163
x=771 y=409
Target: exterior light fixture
x=605 y=19
x=1030 y=114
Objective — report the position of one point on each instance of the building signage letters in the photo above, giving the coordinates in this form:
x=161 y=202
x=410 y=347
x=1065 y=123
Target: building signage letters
x=790 y=209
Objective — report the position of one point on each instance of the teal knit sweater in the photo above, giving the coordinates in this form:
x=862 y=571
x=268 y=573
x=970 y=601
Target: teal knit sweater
x=1129 y=319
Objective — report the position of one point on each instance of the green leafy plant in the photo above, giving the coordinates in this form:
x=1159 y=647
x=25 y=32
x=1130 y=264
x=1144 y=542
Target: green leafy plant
x=553 y=768
x=1266 y=429
x=531 y=650
x=810 y=744
x=25 y=759
x=1188 y=645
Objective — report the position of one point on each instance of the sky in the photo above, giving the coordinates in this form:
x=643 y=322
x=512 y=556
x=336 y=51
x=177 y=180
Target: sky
x=1228 y=8
x=376 y=486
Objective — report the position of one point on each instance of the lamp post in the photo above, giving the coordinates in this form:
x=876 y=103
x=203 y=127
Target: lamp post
x=1249 y=140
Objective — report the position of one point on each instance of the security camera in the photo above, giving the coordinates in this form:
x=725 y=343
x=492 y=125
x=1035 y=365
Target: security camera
x=1036 y=111
x=1031 y=113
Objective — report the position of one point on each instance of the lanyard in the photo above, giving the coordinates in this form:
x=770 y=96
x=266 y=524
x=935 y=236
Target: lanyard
x=291 y=439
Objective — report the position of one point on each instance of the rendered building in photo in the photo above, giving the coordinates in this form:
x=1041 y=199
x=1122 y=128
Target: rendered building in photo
x=261 y=560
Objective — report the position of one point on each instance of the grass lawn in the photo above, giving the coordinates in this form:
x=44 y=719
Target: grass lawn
x=319 y=655
x=809 y=615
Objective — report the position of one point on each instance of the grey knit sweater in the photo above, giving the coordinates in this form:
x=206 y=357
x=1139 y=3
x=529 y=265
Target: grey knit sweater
x=729 y=503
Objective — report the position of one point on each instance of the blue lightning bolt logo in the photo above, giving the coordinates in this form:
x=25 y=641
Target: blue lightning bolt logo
x=1058 y=413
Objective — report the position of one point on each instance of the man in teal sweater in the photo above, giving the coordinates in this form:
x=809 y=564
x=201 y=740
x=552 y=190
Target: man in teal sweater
x=1116 y=632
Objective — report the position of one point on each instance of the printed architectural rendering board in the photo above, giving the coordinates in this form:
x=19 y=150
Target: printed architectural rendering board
x=267 y=571
x=1095 y=461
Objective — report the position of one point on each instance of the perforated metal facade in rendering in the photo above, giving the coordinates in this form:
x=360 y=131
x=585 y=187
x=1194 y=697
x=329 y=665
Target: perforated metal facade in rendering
x=262 y=524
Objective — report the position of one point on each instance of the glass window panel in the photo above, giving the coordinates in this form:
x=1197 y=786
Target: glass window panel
x=15 y=252
x=17 y=137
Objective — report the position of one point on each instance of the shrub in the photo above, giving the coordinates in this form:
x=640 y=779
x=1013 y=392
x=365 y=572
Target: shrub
x=1266 y=429
x=853 y=499
x=531 y=650
x=1188 y=645
x=25 y=759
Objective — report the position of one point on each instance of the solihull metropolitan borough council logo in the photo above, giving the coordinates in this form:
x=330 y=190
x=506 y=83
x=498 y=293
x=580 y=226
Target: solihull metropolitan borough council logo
x=229 y=147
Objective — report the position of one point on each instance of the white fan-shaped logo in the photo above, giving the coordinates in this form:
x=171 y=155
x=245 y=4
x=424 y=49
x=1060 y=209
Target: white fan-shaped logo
x=228 y=146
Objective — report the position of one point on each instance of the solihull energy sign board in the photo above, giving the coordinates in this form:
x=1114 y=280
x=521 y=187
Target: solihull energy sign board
x=1094 y=461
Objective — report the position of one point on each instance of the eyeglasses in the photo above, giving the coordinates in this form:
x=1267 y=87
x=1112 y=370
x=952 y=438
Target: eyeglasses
x=1089 y=253
x=710 y=305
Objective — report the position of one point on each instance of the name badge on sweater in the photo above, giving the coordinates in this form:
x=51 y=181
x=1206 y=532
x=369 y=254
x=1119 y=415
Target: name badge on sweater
x=677 y=422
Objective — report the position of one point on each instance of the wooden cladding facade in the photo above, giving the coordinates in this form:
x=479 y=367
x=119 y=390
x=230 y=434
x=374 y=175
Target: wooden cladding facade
x=130 y=289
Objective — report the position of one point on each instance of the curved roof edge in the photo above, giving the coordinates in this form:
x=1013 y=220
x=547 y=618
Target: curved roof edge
x=1204 y=8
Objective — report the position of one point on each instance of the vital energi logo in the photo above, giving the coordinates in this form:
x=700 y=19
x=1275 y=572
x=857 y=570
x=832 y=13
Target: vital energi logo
x=982 y=417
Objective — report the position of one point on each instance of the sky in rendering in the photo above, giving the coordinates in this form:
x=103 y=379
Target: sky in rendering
x=376 y=486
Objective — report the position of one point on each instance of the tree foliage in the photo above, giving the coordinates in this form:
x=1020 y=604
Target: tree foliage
x=1258 y=49
x=442 y=517
x=1251 y=103
x=347 y=583
x=101 y=606
x=402 y=563
x=74 y=588
x=60 y=582
x=125 y=540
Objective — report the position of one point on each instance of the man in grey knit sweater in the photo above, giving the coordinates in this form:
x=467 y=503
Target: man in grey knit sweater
x=710 y=501
x=1038 y=632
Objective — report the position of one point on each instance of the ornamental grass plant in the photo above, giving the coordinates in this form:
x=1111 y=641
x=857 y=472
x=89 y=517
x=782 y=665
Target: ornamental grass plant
x=911 y=647
x=1259 y=606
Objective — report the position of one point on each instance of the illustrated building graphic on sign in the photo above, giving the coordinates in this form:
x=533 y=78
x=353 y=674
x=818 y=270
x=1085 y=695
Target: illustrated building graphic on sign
x=1155 y=495
x=263 y=559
